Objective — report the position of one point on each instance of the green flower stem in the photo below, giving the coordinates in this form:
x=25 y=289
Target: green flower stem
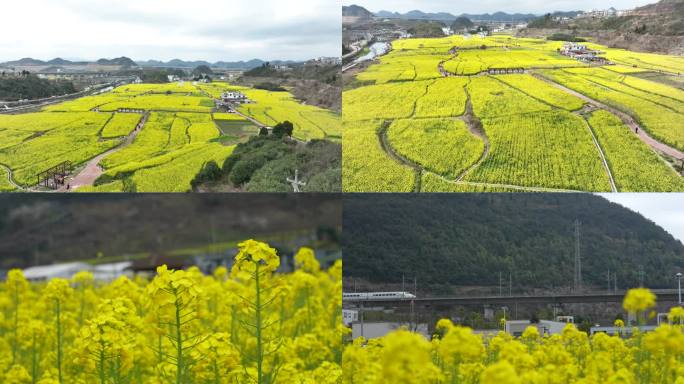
x=59 y=341
x=179 y=341
x=260 y=356
x=34 y=361
x=101 y=362
x=15 y=337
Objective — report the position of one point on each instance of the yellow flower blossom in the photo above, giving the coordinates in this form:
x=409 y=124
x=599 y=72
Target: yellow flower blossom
x=639 y=300
x=253 y=253
x=499 y=373
x=180 y=326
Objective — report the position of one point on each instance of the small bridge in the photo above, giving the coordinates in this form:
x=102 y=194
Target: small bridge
x=55 y=177
x=505 y=71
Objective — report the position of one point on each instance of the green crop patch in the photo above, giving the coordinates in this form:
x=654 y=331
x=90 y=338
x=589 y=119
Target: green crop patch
x=501 y=113
x=183 y=129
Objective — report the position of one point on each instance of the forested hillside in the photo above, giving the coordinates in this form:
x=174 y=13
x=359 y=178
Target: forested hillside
x=40 y=229
x=468 y=239
x=31 y=87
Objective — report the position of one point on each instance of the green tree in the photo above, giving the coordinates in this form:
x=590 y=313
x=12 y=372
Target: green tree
x=283 y=129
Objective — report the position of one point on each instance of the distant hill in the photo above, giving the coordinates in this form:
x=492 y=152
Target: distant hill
x=657 y=27
x=665 y=18
x=31 y=87
x=448 y=17
x=59 y=61
x=25 y=62
x=357 y=12
x=128 y=63
x=426 y=29
x=467 y=240
x=243 y=65
x=417 y=15
x=461 y=22
x=122 y=61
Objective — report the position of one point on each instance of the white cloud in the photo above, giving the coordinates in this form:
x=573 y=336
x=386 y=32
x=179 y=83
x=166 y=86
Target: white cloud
x=165 y=29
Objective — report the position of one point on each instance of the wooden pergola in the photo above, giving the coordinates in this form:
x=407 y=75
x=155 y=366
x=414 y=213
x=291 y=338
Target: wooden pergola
x=54 y=177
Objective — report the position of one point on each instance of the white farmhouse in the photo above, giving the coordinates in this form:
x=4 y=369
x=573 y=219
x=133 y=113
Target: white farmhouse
x=101 y=272
x=112 y=271
x=54 y=271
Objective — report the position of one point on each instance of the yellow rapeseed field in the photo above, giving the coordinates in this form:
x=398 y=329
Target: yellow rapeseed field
x=457 y=355
x=246 y=325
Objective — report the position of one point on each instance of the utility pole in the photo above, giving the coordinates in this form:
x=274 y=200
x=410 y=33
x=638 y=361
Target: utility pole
x=213 y=229
x=361 y=316
x=296 y=183
x=615 y=281
x=679 y=286
x=578 y=257
x=641 y=276
x=403 y=289
x=500 y=286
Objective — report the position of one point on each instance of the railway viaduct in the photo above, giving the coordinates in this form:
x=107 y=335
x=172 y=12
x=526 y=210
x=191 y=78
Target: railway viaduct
x=664 y=296
x=433 y=308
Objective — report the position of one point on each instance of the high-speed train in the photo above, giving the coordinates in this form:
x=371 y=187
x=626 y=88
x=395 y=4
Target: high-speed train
x=377 y=296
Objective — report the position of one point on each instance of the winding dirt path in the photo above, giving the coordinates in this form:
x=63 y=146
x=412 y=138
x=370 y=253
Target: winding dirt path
x=508 y=186
x=475 y=127
x=440 y=67
x=10 y=177
x=626 y=119
x=92 y=171
x=387 y=147
x=250 y=118
x=613 y=187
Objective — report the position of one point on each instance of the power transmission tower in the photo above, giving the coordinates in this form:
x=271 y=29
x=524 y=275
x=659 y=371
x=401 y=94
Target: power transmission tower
x=641 y=276
x=578 y=257
x=296 y=183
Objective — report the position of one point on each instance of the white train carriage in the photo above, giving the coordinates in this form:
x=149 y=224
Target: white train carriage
x=377 y=296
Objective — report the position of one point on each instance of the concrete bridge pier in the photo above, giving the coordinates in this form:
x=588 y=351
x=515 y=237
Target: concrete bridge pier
x=489 y=312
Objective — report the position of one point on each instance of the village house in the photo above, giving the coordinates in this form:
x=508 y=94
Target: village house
x=583 y=53
x=234 y=97
x=605 y=13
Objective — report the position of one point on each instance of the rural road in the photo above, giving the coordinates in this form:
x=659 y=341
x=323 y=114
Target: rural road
x=92 y=170
x=628 y=120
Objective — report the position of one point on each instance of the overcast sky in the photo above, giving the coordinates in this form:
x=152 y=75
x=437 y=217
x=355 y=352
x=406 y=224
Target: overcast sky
x=665 y=209
x=210 y=30
x=491 y=6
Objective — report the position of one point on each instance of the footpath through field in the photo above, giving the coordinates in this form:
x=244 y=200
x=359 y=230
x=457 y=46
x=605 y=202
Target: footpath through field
x=92 y=171
x=475 y=127
x=10 y=177
x=627 y=119
x=257 y=122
